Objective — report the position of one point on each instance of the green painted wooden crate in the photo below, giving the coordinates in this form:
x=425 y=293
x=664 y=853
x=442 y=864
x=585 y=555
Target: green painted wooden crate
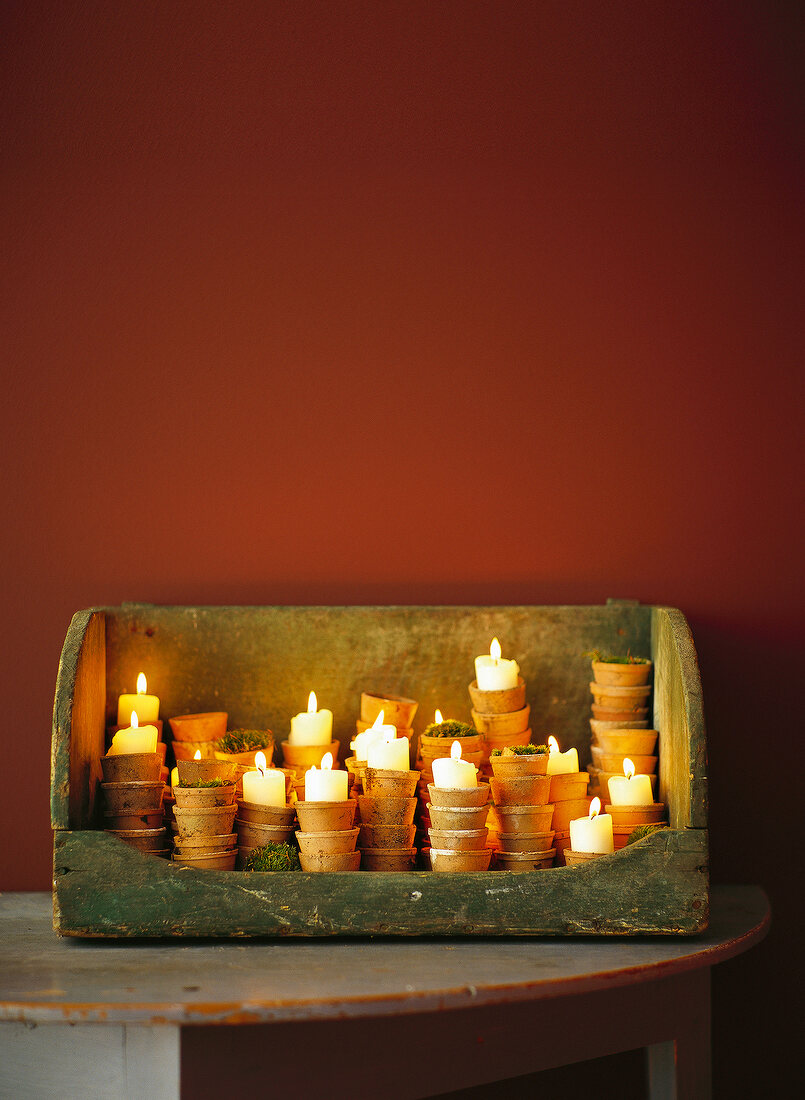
x=259 y=663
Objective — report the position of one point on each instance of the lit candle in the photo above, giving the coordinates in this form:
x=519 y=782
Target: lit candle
x=391 y=753
x=135 y=738
x=312 y=727
x=147 y=706
x=175 y=777
x=593 y=833
x=454 y=772
x=265 y=786
x=492 y=673
x=325 y=785
x=630 y=789
x=560 y=763
x=376 y=733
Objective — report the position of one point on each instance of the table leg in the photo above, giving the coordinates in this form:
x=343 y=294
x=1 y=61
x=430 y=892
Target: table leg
x=680 y=1069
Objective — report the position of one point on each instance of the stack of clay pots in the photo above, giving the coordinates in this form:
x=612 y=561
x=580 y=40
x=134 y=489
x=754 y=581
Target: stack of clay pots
x=433 y=747
x=523 y=814
x=204 y=816
x=298 y=759
x=458 y=831
x=501 y=717
x=397 y=711
x=568 y=793
x=629 y=715
x=387 y=829
x=133 y=789
x=258 y=825
x=197 y=733
x=326 y=836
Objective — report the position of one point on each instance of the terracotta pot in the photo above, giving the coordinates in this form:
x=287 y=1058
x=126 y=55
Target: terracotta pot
x=459 y=796
x=637 y=815
x=599 y=727
x=502 y=724
x=257 y=814
x=313 y=845
x=305 y=756
x=458 y=840
x=199 y=844
x=151 y=819
x=561 y=842
x=386 y=811
x=505 y=701
x=386 y=836
x=253 y=834
x=145 y=840
x=326 y=817
x=614 y=674
x=457 y=817
x=397 y=710
x=442 y=859
x=201 y=771
x=526 y=842
x=214 y=861
x=356 y=769
x=618 y=714
x=523 y=819
x=628 y=742
x=576 y=859
x=510 y=767
x=567 y=811
x=207 y=726
x=623 y=698
x=211 y=820
x=132 y=767
x=338 y=861
x=569 y=785
x=186 y=750
x=435 y=748
x=388 y=859
x=246 y=759
x=522 y=790
x=613 y=761
x=134 y=797
x=382 y=783
x=525 y=861
x=188 y=798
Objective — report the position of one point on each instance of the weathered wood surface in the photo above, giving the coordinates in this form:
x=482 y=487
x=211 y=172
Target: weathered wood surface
x=104 y=888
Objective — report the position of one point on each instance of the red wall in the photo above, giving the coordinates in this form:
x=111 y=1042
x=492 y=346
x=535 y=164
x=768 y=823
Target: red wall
x=457 y=302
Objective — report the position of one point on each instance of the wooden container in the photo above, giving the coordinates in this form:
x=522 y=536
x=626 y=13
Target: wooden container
x=658 y=885
x=504 y=701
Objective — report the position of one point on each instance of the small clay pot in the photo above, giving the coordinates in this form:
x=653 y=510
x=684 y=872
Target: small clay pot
x=200 y=844
x=188 y=798
x=201 y=771
x=568 y=785
x=252 y=834
x=357 y=770
x=493 y=743
x=443 y=859
x=134 y=797
x=246 y=759
x=208 y=726
x=505 y=701
x=457 y=817
x=526 y=842
x=624 y=698
x=619 y=714
x=502 y=725
x=186 y=750
x=210 y=821
x=436 y=748
x=615 y=674
x=388 y=859
x=458 y=840
x=385 y=783
x=567 y=811
x=523 y=819
x=338 y=861
x=306 y=756
x=145 y=840
x=256 y=813
x=511 y=767
x=525 y=861
x=325 y=817
x=386 y=811
x=132 y=767
x=522 y=790
x=386 y=836
x=397 y=710
x=575 y=859
x=313 y=845
x=628 y=742
x=213 y=861
x=599 y=727
x=459 y=796
x=561 y=842
x=150 y=819
x=637 y=815
x=613 y=761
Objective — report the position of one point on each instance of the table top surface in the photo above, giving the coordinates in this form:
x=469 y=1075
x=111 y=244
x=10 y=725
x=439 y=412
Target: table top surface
x=44 y=978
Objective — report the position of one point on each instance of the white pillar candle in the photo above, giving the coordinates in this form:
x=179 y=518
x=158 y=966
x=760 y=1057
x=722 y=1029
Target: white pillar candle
x=560 y=763
x=391 y=753
x=147 y=706
x=135 y=738
x=593 y=833
x=452 y=771
x=325 y=785
x=377 y=732
x=312 y=727
x=493 y=673
x=630 y=789
x=265 y=786
x=174 y=777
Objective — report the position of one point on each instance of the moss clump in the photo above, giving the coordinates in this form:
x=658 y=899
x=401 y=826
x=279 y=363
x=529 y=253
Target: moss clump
x=273 y=857
x=521 y=750
x=642 y=831
x=205 y=783
x=244 y=740
x=450 y=728
x=615 y=658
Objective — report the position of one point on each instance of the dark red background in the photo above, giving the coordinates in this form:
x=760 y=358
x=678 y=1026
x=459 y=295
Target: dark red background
x=408 y=302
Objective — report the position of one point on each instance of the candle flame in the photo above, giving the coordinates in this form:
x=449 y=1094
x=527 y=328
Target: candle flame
x=327 y=762
x=197 y=754
x=455 y=750
x=135 y=721
x=438 y=716
x=494 y=650
x=379 y=720
x=312 y=703
x=628 y=767
x=595 y=808
x=553 y=744
x=260 y=762
x=142 y=684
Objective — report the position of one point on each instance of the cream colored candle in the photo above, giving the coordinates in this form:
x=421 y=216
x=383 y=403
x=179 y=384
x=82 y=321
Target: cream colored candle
x=630 y=789
x=593 y=833
x=377 y=732
x=174 y=777
x=135 y=738
x=452 y=771
x=391 y=753
x=313 y=726
x=147 y=706
x=493 y=673
x=265 y=786
x=325 y=785
x=560 y=763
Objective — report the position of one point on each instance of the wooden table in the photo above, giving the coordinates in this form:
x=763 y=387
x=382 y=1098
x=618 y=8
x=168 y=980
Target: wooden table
x=105 y=1019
